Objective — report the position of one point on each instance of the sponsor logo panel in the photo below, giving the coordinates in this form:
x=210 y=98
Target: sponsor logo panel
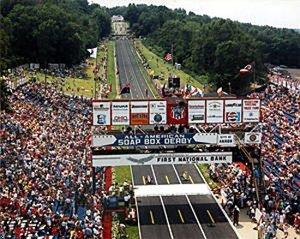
x=101 y=113
x=214 y=111
x=120 y=113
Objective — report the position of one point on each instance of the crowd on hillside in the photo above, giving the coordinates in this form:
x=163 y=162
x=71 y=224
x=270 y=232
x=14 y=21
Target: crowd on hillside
x=47 y=186
x=46 y=181
x=281 y=165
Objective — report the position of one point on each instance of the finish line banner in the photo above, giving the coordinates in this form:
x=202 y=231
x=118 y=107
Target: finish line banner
x=160 y=159
x=153 y=139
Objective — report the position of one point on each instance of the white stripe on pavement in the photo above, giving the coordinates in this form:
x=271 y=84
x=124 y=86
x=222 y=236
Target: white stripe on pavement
x=191 y=206
x=163 y=206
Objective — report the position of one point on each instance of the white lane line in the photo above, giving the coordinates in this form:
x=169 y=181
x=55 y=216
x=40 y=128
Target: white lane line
x=222 y=209
x=137 y=207
x=127 y=78
x=191 y=206
x=123 y=63
x=142 y=73
x=177 y=175
x=163 y=206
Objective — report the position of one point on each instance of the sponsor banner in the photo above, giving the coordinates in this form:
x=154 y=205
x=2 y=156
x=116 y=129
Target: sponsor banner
x=233 y=111
x=214 y=111
x=139 y=113
x=153 y=139
x=177 y=112
x=161 y=158
x=226 y=140
x=120 y=113
x=158 y=112
x=196 y=111
x=101 y=113
x=251 y=110
x=252 y=138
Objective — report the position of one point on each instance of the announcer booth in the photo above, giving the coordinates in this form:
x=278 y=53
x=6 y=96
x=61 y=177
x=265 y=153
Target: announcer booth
x=137 y=131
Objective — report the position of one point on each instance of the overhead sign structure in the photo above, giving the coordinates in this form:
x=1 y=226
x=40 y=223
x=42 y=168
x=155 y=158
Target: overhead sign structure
x=196 y=111
x=176 y=111
x=161 y=158
x=122 y=140
x=251 y=110
x=214 y=111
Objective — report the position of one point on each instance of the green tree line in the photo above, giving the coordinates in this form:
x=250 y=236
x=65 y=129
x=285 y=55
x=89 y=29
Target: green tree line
x=49 y=31
x=215 y=47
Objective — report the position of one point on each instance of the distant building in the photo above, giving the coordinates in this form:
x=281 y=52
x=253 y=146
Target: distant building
x=117 y=18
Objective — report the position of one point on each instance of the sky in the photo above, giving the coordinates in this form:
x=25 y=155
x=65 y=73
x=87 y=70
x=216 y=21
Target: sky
x=277 y=13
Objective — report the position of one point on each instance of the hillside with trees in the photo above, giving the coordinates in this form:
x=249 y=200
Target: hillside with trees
x=49 y=31
x=214 y=47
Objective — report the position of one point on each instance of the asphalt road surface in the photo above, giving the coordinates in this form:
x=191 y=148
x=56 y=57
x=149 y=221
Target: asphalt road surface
x=177 y=216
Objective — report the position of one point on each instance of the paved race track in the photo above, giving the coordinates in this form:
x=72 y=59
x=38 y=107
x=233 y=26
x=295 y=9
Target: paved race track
x=168 y=217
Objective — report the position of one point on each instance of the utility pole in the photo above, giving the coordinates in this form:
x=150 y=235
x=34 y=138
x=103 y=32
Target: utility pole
x=95 y=72
x=45 y=81
x=172 y=53
x=229 y=87
x=254 y=72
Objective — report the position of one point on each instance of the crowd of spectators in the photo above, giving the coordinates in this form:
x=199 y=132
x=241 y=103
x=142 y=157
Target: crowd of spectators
x=15 y=77
x=47 y=187
x=280 y=163
x=46 y=182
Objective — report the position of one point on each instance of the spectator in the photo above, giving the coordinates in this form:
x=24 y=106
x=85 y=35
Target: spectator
x=45 y=174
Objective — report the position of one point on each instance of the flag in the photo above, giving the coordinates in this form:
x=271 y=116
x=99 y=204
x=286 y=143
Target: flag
x=168 y=57
x=220 y=91
x=248 y=69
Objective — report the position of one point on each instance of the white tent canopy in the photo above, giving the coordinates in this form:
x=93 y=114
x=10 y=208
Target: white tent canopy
x=93 y=52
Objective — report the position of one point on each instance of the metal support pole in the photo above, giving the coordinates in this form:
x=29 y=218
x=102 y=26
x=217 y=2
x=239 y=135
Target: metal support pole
x=94 y=179
x=95 y=86
x=172 y=53
x=95 y=80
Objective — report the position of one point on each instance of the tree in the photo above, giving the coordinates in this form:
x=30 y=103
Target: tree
x=52 y=32
x=4 y=49
x=4 y=93
x=102 y=20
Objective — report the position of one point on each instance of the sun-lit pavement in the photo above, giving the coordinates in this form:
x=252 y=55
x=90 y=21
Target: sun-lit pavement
x=246 y=228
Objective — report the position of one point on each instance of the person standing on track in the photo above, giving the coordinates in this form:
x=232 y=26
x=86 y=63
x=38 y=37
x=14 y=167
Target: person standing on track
x=236 y=215
x=146 y=92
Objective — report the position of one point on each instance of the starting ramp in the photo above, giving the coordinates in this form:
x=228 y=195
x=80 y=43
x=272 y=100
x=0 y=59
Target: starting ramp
x=171 y=190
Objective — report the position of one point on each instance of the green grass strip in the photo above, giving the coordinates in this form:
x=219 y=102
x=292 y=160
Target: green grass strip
x=204 y=169
x=111 y=70
x=73 y=86
x=122 y=173
x=133 y=232
x=163 y=68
